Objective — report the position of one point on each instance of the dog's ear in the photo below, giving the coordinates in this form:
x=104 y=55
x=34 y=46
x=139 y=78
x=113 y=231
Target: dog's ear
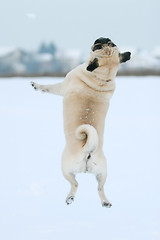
x=93 y=65
x=124 y=57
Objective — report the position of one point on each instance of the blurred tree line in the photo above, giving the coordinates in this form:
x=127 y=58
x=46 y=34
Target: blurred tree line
x=47 y=48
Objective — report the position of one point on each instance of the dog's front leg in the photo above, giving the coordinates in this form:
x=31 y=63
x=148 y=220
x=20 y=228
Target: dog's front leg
x=101 y=181
x=56 y=89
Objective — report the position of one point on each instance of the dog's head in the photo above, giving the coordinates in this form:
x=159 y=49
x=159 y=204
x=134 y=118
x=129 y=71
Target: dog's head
x=105 y=52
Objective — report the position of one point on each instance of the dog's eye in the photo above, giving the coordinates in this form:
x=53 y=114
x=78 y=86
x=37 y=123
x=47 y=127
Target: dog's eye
x=111 y=44
x=96 y=47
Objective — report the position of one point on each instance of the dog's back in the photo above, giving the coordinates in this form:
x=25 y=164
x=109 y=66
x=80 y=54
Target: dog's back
x=82 y=109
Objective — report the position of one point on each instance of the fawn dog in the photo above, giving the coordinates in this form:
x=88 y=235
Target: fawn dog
x=87 y=90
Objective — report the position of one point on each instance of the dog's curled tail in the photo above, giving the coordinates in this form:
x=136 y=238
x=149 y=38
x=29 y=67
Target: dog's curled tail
x=88 y=133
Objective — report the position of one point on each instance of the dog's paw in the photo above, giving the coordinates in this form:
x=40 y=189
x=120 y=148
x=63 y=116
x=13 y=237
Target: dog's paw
x=37 y=86
x=69 y=200
x=33 y=84
x=106 y=204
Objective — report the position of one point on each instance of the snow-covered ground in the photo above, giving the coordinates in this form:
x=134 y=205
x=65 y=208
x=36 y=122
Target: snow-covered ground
x=33 y=190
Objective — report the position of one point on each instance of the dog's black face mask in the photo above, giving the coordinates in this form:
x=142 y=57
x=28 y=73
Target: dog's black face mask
x=102 y=44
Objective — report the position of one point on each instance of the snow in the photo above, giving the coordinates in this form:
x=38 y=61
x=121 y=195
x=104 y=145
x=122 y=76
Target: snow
x=156 y=52
x=33 y=190
x=4 y=50
x=45 y=57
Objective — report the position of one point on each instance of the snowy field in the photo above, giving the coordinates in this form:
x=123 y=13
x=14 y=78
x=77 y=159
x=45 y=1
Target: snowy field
x=33 y=189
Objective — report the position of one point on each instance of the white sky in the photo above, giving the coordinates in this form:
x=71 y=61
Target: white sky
x=76 y=24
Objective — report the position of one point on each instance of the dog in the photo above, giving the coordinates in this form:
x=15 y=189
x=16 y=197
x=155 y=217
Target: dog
x=87 y=91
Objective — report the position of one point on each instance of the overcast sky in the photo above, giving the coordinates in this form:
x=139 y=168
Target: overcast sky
x=77 y=23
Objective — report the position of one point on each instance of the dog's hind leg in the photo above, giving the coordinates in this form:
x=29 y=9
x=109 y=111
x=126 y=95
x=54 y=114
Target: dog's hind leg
x=101 y=181
x=74 y=185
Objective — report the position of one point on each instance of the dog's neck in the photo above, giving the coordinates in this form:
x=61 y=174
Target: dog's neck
x=96 y=81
